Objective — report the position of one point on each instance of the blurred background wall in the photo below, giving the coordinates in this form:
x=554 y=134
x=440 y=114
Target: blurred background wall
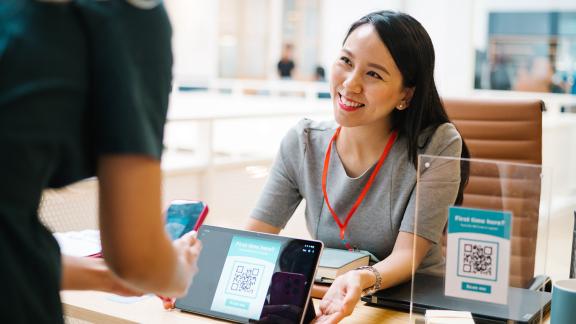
x=230 y=108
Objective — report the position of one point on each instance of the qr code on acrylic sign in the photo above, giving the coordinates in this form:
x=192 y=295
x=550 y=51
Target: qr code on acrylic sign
x=477 y=259
x=244 y=279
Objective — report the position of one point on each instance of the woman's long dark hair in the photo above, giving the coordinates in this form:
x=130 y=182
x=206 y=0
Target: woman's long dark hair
x=413 y=52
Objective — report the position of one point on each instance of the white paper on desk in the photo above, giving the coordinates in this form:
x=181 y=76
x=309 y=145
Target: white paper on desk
x=80 y=243
x=128 y=300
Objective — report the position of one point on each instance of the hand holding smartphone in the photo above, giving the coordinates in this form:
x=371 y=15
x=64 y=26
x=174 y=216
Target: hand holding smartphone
x=184 y=216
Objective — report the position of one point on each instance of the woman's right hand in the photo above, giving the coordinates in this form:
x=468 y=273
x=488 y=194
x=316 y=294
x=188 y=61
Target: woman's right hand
x=187 y=248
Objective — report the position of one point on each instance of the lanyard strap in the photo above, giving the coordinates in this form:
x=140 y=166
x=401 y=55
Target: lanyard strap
x=341 y=225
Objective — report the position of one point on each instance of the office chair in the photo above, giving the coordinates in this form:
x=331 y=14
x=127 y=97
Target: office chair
x=72 y=208
x=573 y=256
x=511 y=131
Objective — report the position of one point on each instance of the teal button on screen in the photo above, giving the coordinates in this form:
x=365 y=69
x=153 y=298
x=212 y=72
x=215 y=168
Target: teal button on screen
x=237 y=304
x=476 y=287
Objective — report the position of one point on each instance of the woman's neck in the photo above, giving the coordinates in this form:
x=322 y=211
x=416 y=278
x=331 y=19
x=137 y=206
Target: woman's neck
x=360 y=147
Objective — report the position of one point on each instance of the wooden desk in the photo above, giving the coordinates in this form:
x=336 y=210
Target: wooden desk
x=97 y=307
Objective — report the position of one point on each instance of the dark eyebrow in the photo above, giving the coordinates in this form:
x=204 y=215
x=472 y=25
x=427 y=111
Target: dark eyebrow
x=373 y=65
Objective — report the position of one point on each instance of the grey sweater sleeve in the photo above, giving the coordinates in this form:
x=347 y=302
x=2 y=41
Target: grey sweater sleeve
x=437 y=186
x=281 y=194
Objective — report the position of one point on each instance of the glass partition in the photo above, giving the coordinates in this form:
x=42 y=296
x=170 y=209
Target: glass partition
x=488 y=250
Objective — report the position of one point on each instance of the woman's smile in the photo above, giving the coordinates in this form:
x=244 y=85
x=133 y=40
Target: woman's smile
x=348 y=104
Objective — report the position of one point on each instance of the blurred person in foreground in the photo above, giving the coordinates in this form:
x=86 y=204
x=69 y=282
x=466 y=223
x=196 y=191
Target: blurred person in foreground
x=84 y=91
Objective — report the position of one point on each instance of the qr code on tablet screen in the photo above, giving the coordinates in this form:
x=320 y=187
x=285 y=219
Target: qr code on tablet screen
x=477 y=259
x=244 y=279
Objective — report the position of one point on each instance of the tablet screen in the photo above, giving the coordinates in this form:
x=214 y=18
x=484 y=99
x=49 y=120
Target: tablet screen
x=252 y=277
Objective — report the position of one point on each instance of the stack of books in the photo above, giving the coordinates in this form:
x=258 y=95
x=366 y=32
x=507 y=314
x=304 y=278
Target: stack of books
x=335 y=262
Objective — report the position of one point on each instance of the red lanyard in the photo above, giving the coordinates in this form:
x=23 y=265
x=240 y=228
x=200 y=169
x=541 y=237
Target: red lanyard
x=341 y=225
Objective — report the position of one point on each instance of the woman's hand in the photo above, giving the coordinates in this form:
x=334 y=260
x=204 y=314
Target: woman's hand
x=188 y=249
x=343 y=295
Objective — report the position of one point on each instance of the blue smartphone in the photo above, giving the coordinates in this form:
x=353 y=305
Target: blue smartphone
x=184 y=216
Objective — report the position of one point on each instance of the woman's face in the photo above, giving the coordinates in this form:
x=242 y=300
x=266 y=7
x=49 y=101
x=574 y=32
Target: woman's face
x=365 y=83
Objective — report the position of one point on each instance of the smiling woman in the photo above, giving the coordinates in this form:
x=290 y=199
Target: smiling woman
x=365 y=82
x=358 y=175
